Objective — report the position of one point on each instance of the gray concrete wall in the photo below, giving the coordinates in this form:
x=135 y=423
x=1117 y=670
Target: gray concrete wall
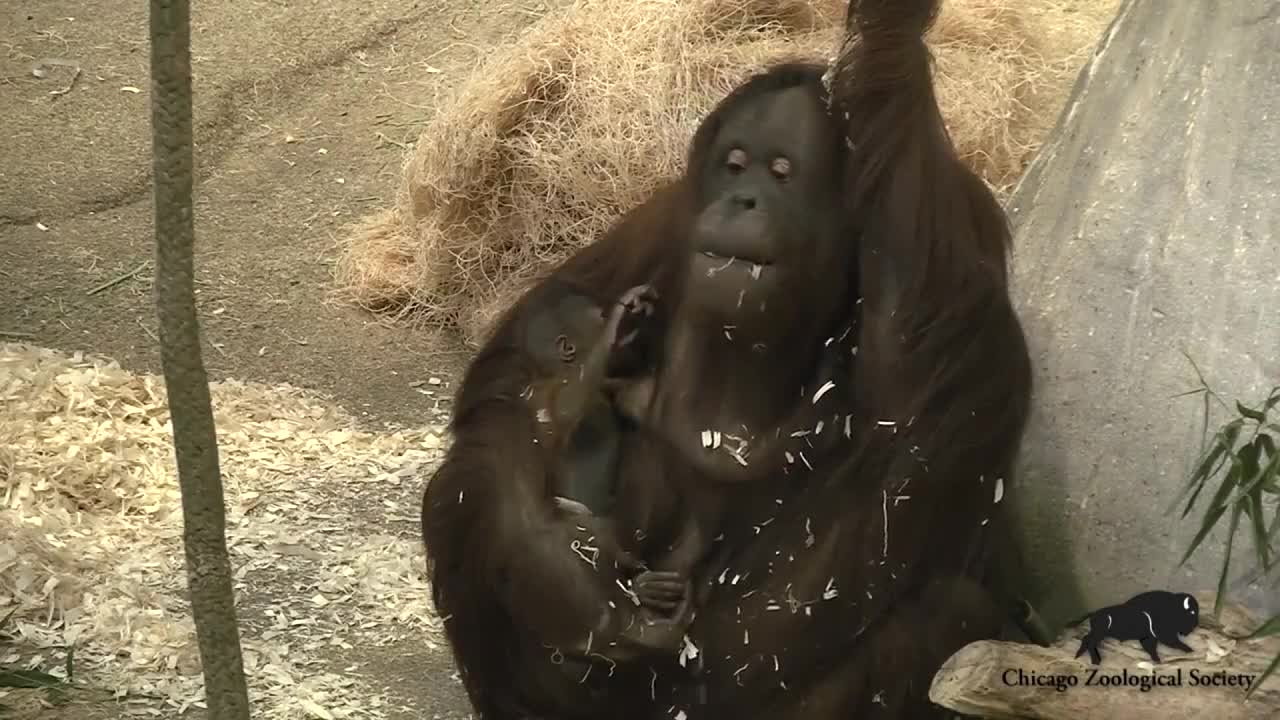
x=1147 y=227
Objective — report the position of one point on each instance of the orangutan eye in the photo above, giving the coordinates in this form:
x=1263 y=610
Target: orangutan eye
x=737 y=161
x=781 y=168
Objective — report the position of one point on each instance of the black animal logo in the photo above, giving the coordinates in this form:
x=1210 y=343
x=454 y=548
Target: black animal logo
x=1150 y=618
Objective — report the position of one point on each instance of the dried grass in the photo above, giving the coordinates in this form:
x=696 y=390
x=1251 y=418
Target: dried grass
x=588 y=111
x=91 y=548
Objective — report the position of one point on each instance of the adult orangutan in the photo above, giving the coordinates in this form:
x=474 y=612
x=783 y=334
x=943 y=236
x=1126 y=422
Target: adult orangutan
x=855 y=561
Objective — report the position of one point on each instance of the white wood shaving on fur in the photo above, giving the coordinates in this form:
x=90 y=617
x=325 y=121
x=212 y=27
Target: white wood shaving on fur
x=826 y=388
x=830 y=592
x=91 y=538
x=688 y=651
x=884 y=508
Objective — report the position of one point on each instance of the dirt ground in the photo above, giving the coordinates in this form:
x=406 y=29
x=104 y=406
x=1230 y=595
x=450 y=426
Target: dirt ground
x=303 y=114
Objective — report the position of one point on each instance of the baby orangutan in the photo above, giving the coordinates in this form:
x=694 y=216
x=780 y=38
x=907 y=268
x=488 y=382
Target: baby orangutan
x=573 y=346
x=576 y=349
x=610 y=459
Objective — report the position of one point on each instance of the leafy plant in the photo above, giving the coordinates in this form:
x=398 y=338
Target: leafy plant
x=1242 y=456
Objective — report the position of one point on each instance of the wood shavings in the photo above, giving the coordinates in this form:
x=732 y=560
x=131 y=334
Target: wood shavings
x=631 y=594
x=830 y=593
x=804 y=460
x=711 y=439
x=826 y=388
x=91 y=537
x=884 y=509
x=1215 y=652
x=688 y=651
x=711 y=272
x=315 y=710
x=589 y=554
x=999 y=490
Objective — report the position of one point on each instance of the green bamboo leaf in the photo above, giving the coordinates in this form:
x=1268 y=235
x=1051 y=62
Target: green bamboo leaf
x=1249 y=455
x=1211 y=463
x=1204 y=469
x=1229 y=483
x=1250 y=490
x=1251 y=478
x=1273 y=397
x=1258 y=522
x=1275 y=663
x=1216 y=508
x=1270 y=479
x=1207 y=468
x=1194 y=366
x=1269 y=449
x=1204 y=419
x=1268 y=445
x=1255 y=415
x=1226 y=560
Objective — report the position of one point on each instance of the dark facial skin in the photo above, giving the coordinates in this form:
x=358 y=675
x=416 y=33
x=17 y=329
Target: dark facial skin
x=757 y=236
x=763 y=278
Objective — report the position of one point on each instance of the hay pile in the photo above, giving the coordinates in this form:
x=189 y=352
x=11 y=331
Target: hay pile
x=559 y=132
x=91 y=548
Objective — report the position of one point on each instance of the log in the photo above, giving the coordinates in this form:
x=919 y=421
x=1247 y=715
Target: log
x=1146 y=228
x=1007 y=680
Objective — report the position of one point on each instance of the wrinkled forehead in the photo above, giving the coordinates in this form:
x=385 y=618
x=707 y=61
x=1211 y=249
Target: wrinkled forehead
x=790 y=120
